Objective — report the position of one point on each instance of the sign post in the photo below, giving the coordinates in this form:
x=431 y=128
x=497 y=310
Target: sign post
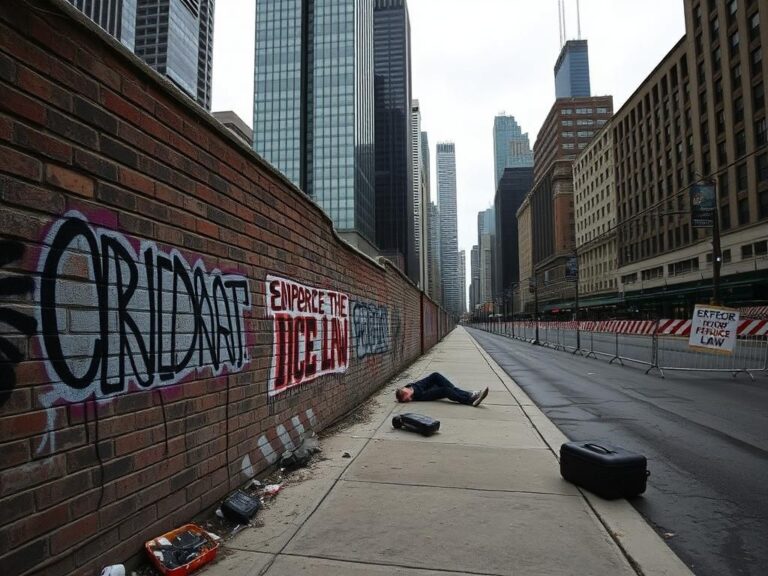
x=714 y=329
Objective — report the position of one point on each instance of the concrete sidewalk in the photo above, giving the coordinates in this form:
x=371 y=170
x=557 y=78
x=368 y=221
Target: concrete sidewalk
x=483 y=496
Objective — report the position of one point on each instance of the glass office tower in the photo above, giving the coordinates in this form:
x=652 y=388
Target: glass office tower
x=313 y=103
x=449 y=240
x=117 y=17
x=395 y=173
x=511 y=148
x=572 y=71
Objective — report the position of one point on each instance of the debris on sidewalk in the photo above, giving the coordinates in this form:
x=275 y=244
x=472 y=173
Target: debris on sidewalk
x=240 y=507
x=346 y=455
x=114 y=570
x=419 y=423
x=272 y=490
x=300 y=457
x=181 y=551
x=669 y=535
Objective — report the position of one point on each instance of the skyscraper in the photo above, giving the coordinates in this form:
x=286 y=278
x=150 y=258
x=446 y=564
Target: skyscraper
x=434 y=278
x=420 y=194
x=486 y=235
x=462 y=281
x=449 y=246
x=117 y=17
x=511 y=148
x=395 y=172
x=474 y=274
x=175 y=37
x=313 y=105
x=572 y=71
x=515 y=183
x=172 y=36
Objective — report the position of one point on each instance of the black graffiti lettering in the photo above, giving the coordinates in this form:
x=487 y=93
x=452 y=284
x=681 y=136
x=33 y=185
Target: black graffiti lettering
x=370 y=325
x=180 y=274
x=70 y=230
x=158 y=330
x=10 y=355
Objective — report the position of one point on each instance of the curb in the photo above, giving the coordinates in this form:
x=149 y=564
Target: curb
x=648 y=554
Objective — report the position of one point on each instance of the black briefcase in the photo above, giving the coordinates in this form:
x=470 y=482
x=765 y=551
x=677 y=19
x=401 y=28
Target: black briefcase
x=240 y=507
x=608 y=471
x=419 y=423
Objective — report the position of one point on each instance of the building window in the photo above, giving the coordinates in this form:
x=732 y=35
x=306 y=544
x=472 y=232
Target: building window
x=758 y=96
x=761 y=248
x=736 y=76
x=722 y=185
x=738 y=109
x=754 y=25
x=743 y=210
x=725 y=217
x=741 y=143
x=762 y=167
x=762 y=204
x=741 y=177
x=733 y=5
x=566 y=111
x=746 y=251
x=760 y=132
x=757 y=61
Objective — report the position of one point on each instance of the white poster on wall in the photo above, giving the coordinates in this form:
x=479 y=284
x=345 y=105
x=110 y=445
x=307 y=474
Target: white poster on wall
x=714 y=329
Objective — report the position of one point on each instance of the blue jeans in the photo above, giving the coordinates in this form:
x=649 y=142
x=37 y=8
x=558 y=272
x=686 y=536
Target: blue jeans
x=436 y=387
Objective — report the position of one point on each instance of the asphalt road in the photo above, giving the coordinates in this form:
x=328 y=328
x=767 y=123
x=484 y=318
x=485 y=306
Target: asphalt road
x=705 y=437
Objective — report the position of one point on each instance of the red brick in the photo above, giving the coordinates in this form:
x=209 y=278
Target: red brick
x=137 y=94
x=136 y=181
x=121 y=107
x=31 y=526
x=69 y=180
x=44 y=144
x=93 y=65
x=30 y=423
x=44 y=89
x=68 y=537
x=14 y=43
x=62 y=489
x=14 y=162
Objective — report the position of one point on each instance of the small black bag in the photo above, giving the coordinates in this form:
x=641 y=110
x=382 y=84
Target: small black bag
x=608 y=471
x=239 y=507
x=424 y=425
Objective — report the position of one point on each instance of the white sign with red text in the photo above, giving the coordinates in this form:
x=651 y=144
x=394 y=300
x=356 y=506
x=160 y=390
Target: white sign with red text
x=311 y=332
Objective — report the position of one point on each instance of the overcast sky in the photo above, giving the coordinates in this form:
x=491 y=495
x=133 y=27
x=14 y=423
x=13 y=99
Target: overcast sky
x=472 y=59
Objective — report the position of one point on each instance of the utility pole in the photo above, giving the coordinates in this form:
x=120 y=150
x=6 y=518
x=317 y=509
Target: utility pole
x=716 y=255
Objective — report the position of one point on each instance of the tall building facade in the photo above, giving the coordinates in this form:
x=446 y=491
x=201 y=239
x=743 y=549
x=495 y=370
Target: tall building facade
x=117 y=17
x=175 y=37
x=449 y=244
x=474 y=275
x=511 y=148
x=420 y=195
x=462 y=281
x=572 y=71
x=313 y=115
x=486 y=238
x=515 y=183
x=434 y=278
x=395 y=173
x=700 y=116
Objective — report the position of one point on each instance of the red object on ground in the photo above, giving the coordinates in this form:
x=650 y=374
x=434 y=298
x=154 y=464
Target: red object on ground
x=207 y=551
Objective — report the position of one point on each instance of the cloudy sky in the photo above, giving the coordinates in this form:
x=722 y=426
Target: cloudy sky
x=472 y=60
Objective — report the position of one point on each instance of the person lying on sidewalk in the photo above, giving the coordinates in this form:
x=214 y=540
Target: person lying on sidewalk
x=436 y=387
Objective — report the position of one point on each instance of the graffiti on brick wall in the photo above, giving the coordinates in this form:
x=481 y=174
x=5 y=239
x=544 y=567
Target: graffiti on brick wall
x=370 y=328
x=118 y=314
x=398 y=335
x=272 y=450
x=310 y=333
x=17 y=322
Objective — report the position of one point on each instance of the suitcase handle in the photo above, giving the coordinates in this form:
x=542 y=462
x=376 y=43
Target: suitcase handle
x=598 y=448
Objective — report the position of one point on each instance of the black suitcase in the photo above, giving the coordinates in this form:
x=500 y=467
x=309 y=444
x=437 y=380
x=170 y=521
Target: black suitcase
x=239 y=507
x=608 y=471
x=424 y=425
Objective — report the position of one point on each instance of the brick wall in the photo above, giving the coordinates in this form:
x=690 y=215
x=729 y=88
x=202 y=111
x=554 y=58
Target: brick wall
x=173 y=313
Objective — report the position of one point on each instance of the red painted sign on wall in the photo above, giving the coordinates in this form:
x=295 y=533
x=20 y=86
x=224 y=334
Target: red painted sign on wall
x=311 y=333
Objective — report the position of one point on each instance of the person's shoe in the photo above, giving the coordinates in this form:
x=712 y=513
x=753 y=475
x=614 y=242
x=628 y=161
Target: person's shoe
x=479 y=397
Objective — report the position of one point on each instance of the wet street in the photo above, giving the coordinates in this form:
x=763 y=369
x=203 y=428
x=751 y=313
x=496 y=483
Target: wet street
x=705 y=437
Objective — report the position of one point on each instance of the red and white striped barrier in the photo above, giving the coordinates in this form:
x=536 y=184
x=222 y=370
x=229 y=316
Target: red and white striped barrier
x=747 y=327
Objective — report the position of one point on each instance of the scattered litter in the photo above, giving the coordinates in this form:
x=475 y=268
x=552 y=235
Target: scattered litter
x=299 y=457
x=237 y=529
x=216 y=537
x=669 y=534
x=114 y=570
x=272 y=490
x=254 y=484
x=187 y=549
x=240 y=507
x=346 y=455
x=219 y=513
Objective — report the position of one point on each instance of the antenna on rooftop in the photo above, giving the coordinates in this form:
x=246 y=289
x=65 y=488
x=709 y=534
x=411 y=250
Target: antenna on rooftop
x=578 y=18
x=560 y=20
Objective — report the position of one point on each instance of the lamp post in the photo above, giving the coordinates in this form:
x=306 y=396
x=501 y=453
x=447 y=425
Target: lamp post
x=533 y=286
